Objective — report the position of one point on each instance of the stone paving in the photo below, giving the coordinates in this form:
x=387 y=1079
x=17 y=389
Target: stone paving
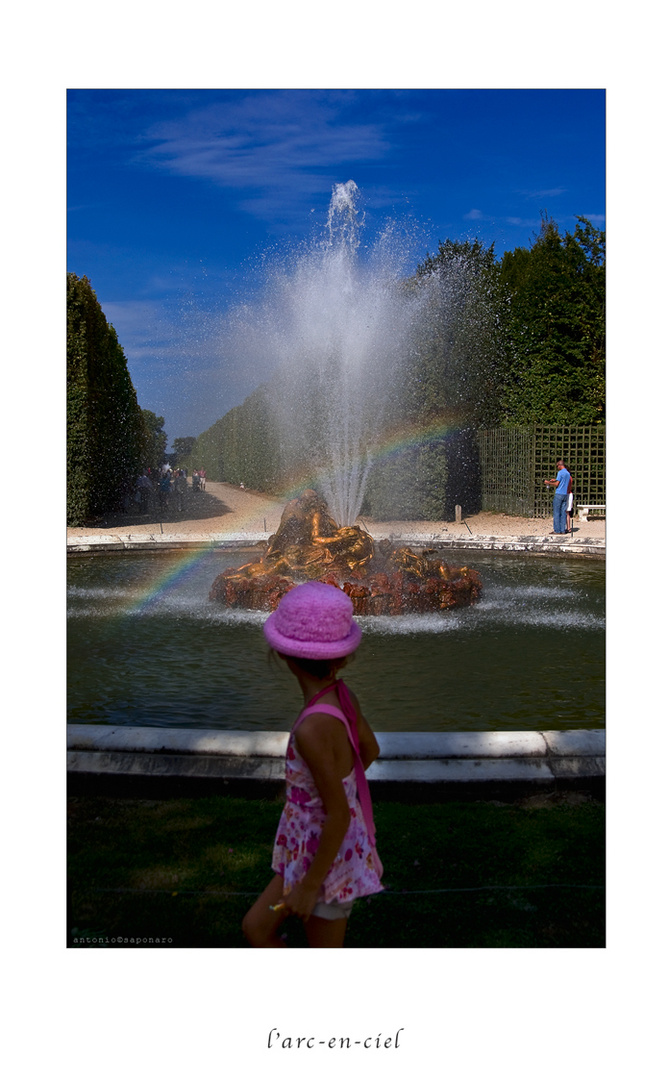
x=224 y=514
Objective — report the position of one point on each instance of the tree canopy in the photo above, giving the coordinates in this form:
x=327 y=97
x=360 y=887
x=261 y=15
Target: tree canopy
x=555 y=334
x=460 y=351
x=155 y=440
x=183 y=447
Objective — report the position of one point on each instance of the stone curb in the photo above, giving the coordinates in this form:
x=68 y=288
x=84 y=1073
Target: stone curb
x=165 y=542
x=406 y=757
x=542 y=545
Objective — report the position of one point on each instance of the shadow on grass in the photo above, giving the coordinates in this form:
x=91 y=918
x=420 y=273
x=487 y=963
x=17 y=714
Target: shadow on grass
x=181 y=873
x=198 y=506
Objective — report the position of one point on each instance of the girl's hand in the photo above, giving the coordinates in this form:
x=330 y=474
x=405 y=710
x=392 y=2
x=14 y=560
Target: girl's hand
x=301 y=900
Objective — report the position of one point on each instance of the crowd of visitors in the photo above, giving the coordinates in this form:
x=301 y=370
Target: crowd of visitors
x=166 y=487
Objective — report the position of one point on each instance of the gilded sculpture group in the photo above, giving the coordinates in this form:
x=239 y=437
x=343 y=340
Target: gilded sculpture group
x=379 y=578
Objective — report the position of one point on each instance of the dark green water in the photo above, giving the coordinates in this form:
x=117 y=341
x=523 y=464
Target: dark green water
x=147 y=647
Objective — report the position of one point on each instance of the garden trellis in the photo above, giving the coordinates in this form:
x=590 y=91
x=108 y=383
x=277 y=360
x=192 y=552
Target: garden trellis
x=515 y=461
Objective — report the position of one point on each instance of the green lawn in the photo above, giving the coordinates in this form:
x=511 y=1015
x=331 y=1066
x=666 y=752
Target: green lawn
x=457 y=875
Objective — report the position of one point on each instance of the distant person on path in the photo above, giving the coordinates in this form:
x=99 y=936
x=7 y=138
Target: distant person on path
x=180 y=489
x=560 y=499
x=195 y=480
x=325 y=851
x=570 y=505
x=203 y=479
x=144 y=487
x=164 y=489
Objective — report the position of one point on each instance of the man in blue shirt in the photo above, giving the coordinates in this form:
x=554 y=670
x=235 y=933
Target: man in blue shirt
x=561 y=485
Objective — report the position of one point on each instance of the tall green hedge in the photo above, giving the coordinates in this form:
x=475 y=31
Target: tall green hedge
x=105 y=431
x=242 y=446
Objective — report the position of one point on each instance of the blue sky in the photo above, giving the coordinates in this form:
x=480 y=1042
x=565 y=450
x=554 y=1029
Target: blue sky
x=175 y=196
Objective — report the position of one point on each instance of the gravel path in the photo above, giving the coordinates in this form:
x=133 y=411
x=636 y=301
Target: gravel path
x=223 y=509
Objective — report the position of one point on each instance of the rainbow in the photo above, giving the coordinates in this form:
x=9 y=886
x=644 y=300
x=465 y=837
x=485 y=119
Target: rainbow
x=393 y=446
x=183 y=563
x=180 y=565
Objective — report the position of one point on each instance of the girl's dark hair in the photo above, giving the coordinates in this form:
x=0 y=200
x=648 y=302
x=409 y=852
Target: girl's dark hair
x=318 y=669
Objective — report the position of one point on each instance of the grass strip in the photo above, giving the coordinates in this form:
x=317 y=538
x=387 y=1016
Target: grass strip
x=180 y=873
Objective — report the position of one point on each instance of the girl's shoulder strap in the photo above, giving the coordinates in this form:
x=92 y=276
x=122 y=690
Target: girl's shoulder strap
x=347 y=713
x=331 y=709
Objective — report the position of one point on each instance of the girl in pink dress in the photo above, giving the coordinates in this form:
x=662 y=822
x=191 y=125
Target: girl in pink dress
x=325 y=849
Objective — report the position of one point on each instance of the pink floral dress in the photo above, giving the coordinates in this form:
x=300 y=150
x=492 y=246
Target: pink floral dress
x=356 y=870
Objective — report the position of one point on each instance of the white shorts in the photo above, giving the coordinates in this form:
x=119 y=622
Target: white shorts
x=333 y=910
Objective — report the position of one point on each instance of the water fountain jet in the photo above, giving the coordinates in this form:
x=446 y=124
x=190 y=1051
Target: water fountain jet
x=340 y=328
x=334 y=328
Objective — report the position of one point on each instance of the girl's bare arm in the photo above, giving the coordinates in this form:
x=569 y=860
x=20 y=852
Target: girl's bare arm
x=323 y=743
x=369 y=747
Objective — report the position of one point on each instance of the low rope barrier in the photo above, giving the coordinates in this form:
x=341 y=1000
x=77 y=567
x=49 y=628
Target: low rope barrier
x=385 y=892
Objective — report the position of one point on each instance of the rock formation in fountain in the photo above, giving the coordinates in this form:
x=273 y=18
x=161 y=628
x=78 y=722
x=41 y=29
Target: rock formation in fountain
x=380 y=579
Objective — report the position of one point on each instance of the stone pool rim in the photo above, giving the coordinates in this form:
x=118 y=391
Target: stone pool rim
x=419 y=765
x=542 y=545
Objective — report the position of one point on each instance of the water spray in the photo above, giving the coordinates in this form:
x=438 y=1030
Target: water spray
x=335 y=326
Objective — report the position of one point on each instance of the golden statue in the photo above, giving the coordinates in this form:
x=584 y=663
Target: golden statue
x=309 y=540
x=310 y=545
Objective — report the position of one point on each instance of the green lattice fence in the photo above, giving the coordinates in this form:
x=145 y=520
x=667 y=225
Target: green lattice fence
x=506 y=471
x=516 y=461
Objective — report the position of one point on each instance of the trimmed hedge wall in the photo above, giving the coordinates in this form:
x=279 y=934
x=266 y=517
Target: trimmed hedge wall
x=105 y=430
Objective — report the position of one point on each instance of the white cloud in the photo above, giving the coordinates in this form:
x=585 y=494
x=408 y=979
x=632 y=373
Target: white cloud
x=547 y=193
x=531 y=223
x=273 y=146
x=473 y=215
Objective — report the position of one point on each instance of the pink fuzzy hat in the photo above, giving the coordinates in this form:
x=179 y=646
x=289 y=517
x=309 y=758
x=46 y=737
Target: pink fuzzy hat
x=313 y=621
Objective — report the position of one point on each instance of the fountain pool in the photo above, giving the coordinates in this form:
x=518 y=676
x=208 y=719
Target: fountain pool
x=146 y=647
